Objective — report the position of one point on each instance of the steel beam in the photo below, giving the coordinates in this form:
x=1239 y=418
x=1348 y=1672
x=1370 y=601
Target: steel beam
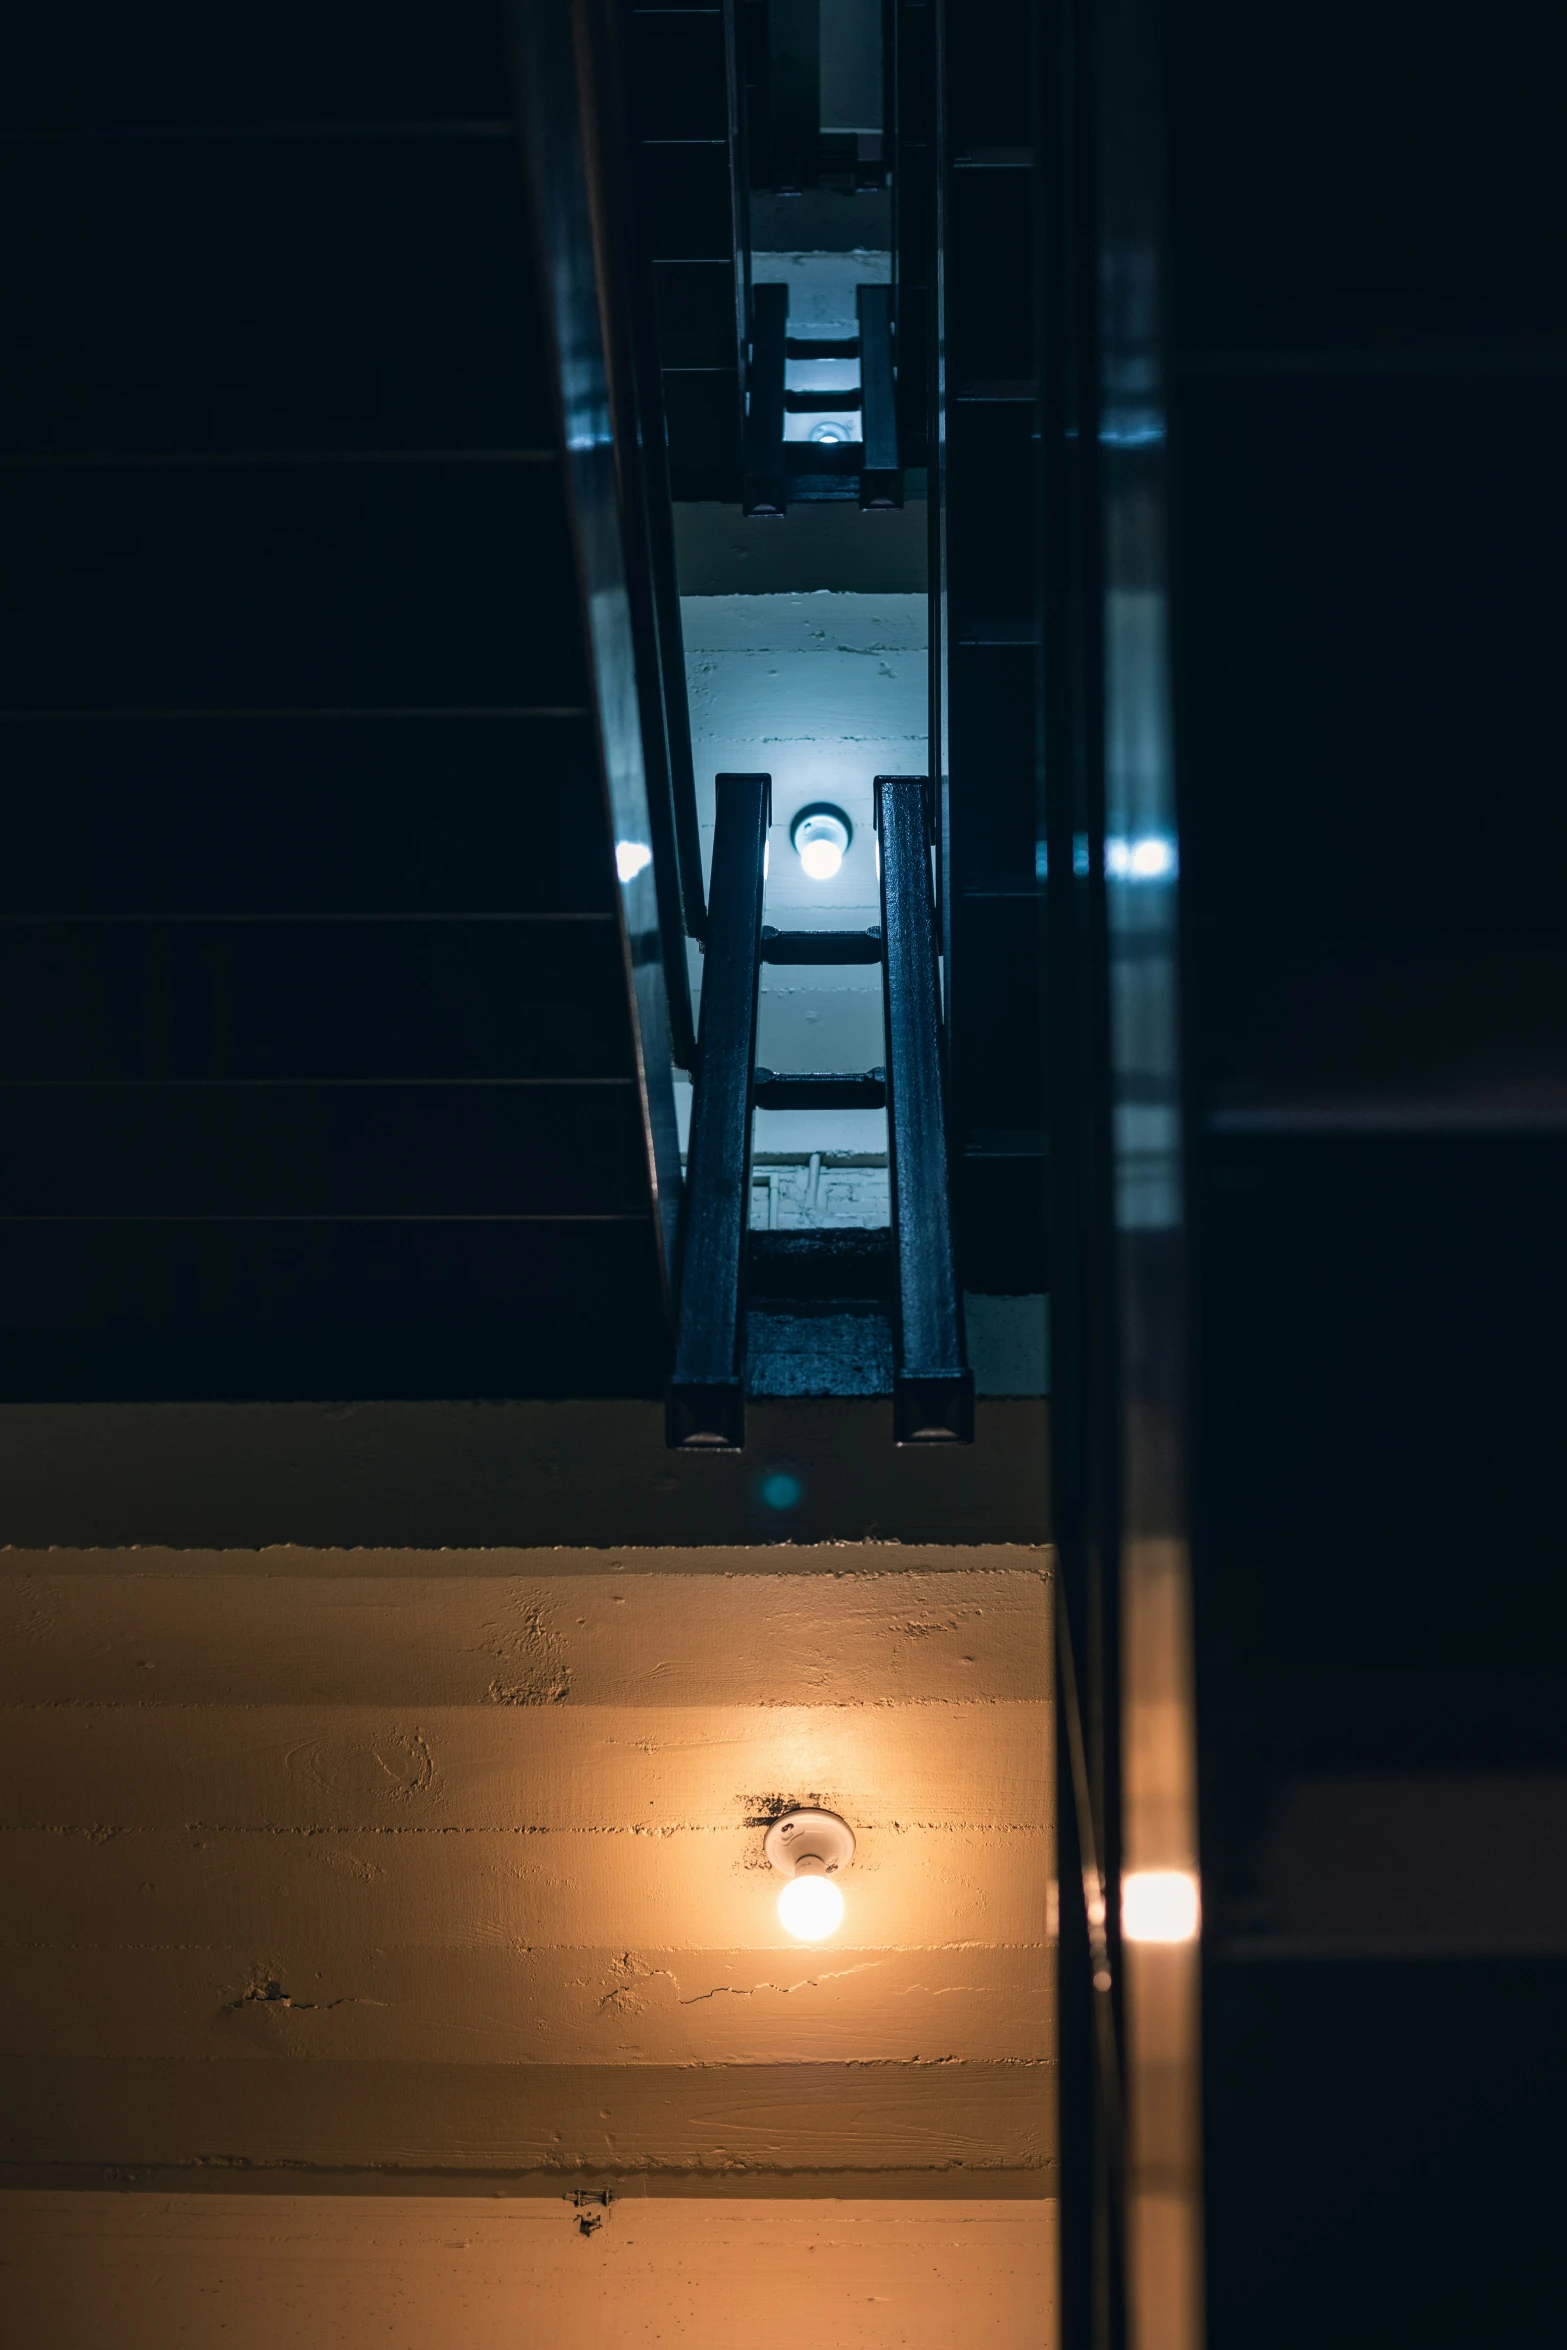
x=933 y=1390
x=706 y=1404
x=881 y=481
x=766 y=489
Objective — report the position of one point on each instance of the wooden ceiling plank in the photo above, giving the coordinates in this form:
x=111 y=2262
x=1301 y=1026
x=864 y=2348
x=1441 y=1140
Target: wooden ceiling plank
x=325 y=2003
x=670 y=1639
x=354 y=2273
x=583 y=2123
x=513 y=1767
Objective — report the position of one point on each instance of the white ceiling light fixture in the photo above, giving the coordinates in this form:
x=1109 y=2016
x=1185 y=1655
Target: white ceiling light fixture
x=810 y=1848
x=820 y=837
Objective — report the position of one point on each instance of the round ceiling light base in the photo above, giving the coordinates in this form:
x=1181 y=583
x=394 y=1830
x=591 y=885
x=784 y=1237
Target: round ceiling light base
x=819 y=1836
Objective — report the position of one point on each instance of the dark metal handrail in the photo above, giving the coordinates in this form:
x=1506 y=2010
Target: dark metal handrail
x=933 y=1388
x=707 y=1391
x=881 y=480
x=766 y=490
x=647 y=521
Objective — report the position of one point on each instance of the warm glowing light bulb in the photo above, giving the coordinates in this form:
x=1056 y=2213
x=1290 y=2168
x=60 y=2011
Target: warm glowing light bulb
x=1159 y=1905
x=821 y=858
x=810 y=1908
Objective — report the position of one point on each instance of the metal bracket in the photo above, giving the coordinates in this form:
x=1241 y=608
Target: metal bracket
x=821 y=1090
x=591 y=2205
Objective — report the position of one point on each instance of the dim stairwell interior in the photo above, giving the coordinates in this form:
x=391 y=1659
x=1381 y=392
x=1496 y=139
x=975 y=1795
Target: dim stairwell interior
x=824 y=689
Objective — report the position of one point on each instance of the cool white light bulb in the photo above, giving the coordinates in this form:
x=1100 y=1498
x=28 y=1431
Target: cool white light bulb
x=1152 y=859
x=820 y=838
x=810 y=1908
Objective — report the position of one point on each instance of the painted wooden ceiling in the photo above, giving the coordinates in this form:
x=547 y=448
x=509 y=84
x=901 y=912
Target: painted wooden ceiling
x=424 y=1870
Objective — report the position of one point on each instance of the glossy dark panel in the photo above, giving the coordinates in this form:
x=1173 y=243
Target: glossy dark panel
x=1358 y=1030
x=86 y=63
x=985 y=620
x=989 y=92
x=686 y=189
x=913 y=125
x=684 y=181
x=1356 y=177
x=1370 y=449
x=320 y=1150
x=269 y=815
x=1370 y=647
x=696 y=316
x=991 y=692
x=269 y=295
x=284 y=1000
x=339 y=587
x=226 y=654
x=291 y=1279
x=702 y=418
x=365 y=1364
x=990 y=474
x=678 y=72
x=995 y=1006
x=1387 y=2079
x=1381 y=1358
x=990 y=220
x=999 y=1200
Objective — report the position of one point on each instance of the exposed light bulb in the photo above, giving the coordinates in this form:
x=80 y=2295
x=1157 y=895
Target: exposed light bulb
x=808 y=1847
x=1150 y=857
x=1159 y=1905
x=820 y=838
x=631 y=858
x=810 y=1908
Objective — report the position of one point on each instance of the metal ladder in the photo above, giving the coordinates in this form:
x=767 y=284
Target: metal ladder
x=933 y=1388
x=777 y=469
